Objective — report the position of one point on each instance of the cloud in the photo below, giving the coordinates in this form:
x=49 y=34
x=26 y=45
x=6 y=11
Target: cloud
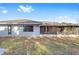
x=25 y=9
x=60 y=17
x=3 y=10
x=64 y=19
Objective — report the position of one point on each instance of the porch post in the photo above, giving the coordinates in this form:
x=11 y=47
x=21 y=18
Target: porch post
x=57 y=30
x=46 y=29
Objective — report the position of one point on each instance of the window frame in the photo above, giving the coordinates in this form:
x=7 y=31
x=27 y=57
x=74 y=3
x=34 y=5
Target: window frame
x=28 y=28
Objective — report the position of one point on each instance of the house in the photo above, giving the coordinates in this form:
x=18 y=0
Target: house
x=25 y=27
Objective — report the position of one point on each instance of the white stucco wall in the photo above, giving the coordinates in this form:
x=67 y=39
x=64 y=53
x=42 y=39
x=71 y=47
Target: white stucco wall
x=18 y=31
x=3 y=31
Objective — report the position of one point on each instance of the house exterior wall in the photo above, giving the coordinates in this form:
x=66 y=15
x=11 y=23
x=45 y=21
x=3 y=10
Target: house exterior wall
x=60 y=30
x=3 y=31
x=18 y=31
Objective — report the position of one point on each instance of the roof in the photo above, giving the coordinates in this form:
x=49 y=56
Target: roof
x=19 y=21
x=30 y=22
x=58 y=24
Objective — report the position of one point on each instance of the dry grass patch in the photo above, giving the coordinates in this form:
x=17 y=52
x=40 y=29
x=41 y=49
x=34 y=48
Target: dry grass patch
x=40 y=45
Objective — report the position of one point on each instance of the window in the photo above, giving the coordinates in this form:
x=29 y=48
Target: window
x=28 y=29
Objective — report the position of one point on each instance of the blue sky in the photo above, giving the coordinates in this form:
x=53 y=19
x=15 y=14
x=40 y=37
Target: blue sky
x=61 y=12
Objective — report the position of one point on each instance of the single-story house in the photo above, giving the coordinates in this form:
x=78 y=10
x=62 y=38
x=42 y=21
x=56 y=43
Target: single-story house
x=26 y=27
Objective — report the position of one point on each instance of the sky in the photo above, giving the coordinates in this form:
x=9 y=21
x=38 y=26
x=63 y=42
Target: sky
x=57 y=12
